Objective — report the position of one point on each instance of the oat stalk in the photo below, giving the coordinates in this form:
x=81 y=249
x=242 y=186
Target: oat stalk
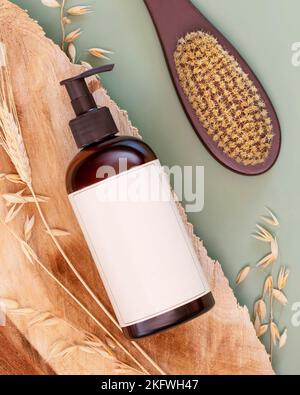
x=10 y=131
x=87 y=288
x=275 y=294
x=11 y=140
x=68 y=40
x=62 y=24
x=85 y=341
x=33 y=258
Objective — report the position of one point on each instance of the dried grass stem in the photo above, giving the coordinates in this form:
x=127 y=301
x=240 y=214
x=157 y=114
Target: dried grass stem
x=12 y=141
x=62 y=24
x=87 y=288
x=77 y=301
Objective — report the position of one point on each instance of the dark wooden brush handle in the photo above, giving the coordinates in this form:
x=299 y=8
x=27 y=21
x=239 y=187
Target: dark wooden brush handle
x=173 y=19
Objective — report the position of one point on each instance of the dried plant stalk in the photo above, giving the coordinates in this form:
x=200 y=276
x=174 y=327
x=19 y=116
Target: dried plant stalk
x=270 y=294
x=69 y=39
x=12 y=141
x=84 y=341
x=62 y=24
x=10 y=131
x=33 y=258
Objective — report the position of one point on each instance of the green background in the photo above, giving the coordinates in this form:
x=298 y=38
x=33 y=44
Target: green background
x=263 y=31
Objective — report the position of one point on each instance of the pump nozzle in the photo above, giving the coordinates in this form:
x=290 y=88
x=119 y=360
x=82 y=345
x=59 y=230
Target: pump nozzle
x=81 y=98
x=92 y=123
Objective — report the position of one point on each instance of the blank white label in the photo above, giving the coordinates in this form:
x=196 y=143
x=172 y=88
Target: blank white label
x=139 y=243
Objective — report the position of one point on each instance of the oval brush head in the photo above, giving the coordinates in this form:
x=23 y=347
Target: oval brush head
x=225 y=100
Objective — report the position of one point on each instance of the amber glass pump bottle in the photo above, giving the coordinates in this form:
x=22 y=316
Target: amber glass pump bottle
x=136 y=236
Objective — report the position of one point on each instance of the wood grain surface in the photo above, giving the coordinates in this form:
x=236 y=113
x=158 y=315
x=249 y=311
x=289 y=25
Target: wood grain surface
x=17 y=356
x=221 y=342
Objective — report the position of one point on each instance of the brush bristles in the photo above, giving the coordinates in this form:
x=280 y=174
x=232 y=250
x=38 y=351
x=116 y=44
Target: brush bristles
x=225 y=100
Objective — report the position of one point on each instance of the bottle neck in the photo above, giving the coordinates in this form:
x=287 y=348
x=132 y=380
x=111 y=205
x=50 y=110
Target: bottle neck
x=101 y=140
x=93 y=126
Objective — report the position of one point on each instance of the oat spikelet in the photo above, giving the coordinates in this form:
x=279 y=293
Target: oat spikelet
x=264 y=234
x=11 y=138
x=283 y=339
x=268 y=286
x=18 y=198
x=72 y=36
x=257 y=323
x=51 y=3
x=260 y=309
x=266 y=261
x=79 y=10
x=274 y=333
x=14 y=178
x=270 y=258
x=280 y=297
x=66 y=21
x=262 y=330
x=272 y=220
x=13 y=212
x=72 y=52
x=28 y=226
x=242 y=275
x=100 y=53
x=274 y=248
x=282 y=278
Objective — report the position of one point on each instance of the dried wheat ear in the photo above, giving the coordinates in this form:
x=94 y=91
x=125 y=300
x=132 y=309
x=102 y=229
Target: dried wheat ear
x=225 y=100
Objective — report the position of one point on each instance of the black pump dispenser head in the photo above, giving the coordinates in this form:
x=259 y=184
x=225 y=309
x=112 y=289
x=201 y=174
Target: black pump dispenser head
x=92 y=123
